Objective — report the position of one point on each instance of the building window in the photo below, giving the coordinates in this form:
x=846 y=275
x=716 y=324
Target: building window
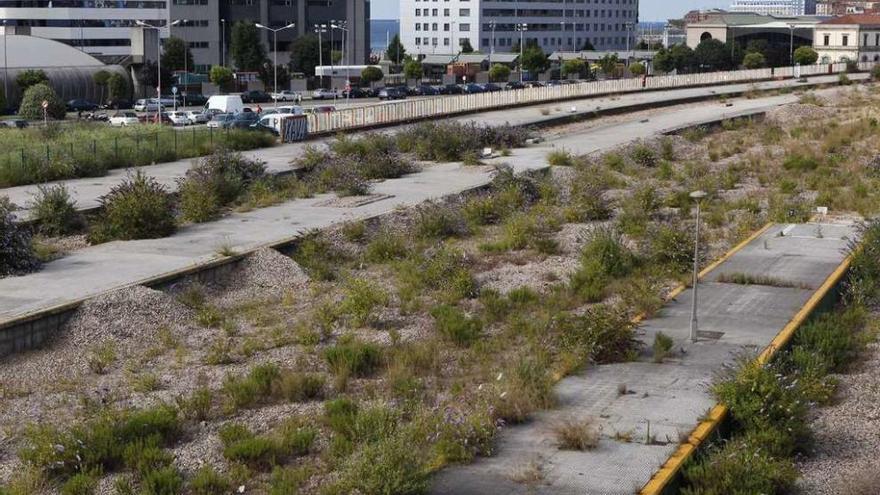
x=845 y=40
x=826 y=40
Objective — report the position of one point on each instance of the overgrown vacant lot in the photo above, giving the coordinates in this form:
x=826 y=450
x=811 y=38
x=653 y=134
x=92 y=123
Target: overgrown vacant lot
x=379 y=352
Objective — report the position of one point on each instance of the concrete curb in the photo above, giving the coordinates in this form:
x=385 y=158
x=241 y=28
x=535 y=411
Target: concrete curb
x=664 y=481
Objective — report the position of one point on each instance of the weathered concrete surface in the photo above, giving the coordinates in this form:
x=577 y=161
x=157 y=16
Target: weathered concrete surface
x=670 y=396
x=87 y=191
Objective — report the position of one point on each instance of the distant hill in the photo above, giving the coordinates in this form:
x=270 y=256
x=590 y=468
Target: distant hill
x=382 y=30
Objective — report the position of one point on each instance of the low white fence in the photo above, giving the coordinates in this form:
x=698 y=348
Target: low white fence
x=409 y=110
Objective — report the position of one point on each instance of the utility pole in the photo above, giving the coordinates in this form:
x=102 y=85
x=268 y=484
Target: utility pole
x=321 y=28
x=697 y=196
x=275 y=55
x=522 y=28
x=5 y=68
x=158 y=63
x=223 y=42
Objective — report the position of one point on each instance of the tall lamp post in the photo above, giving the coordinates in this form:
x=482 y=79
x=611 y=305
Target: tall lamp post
x=158 y=63
x=791 y=44
x=341 y=26
x=5 y=68
x=697 y=196
x=275 y=55
x=319 y=29
x=223 y=42
x=492 y=46
x=522 y=28
x=185 y=61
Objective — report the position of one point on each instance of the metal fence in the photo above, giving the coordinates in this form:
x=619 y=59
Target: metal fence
x=409 y=110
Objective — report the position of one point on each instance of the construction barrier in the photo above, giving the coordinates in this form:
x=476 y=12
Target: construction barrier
x=409 y=110
x=294 y=128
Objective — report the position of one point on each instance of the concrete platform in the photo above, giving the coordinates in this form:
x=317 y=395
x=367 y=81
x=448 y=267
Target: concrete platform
x=669 y=397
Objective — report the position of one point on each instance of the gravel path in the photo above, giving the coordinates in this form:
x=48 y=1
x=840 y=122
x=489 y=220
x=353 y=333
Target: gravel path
x=846 y=457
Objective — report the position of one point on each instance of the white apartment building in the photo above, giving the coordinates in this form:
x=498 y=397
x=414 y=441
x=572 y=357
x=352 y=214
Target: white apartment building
x=854 y=38
x=98 y=27
x=775 y=7
x=442 y=26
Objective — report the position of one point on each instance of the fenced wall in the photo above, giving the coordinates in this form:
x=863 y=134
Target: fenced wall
x=409 y=110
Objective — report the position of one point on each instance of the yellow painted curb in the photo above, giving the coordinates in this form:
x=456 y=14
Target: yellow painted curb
x=670 y=469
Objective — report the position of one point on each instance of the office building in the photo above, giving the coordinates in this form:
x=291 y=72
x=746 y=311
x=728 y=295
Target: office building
x=441 y=27
x=208 y=26
x=101 y=28
x=775 y=7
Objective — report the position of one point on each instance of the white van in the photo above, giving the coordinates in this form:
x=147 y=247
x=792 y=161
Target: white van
x=225 y=103
x=291 y=110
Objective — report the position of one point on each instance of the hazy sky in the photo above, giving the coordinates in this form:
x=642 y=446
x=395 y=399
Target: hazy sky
x=651 y=10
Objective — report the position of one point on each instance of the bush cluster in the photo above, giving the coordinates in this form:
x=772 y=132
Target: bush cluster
x=264 y=452
x=268 y=382
x=16 y=251
x=456 y=326
x=216 y=181
x=136 y=208
x=447 y=141
x=605 y=257
x=31 y=107
x=54 y=211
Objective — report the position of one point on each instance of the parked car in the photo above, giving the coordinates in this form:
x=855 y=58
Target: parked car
x=514 y=85
x=473 y=89
x=425 y=90
x=197 y=117
x=179 y=118
x=286 y=95
x=221 y=121
x=14 y=123
x=255 y=96
x=392 y=93
x=356 y=93
x=324 y=93
x=169 y=100
x=81 y=105
x=193 y=100
x=491 y=87
x=554 y=82
x=321 y=109
x=120 y=119
x=150 y=118
x=451 y=89
x=534 y=84
x=244 y=120
x=118 y=104
x=291 y=110
x=268 y=123
x=149 y=105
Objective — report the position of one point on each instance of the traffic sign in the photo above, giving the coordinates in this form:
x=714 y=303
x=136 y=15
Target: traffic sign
x=45 y=104
x=174 y=90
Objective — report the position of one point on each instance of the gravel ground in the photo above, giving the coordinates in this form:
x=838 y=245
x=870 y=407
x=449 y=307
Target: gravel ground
x=846 y=453
x=797 y=114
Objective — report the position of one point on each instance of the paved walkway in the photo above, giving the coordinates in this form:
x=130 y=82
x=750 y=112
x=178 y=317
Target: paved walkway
x=671 y=396
x=87 y=191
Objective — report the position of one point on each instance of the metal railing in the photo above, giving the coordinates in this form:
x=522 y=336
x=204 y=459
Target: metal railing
x=409 y=110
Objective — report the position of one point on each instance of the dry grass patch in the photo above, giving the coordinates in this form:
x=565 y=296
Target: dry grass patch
x=573 y=434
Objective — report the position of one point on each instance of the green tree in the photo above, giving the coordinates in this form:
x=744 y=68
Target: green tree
x=371 y=74
x=246 y=47
x=32 y=103
x=608 y=64
x=268 y=75
x=30 y=77
x=805 y=55
x=101 y=78
x=3 y=106
x=221 y=76
x=117 y=87
x=534 y=60
x=637 y=69
x=754 y=60
x=412 y=69
x=395 y=50
x=336 y=55
x=176 y=55
x=499 y=73
x=466 y=46
x=712 y=55
x=149 y=74
x=574 y=67
x=304 y=54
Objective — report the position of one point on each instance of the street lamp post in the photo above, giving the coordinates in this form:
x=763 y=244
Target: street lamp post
x=223 y=42
x=522 y=28
x=341 y=27
x=158 y=63
x=5 y=68
x=492 y=46
x=185 y=61
x=791 y=44
x=275 y=55
x=697 y=196
x=321 y=28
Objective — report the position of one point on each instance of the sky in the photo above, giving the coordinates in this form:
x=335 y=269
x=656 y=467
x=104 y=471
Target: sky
x=651 y=10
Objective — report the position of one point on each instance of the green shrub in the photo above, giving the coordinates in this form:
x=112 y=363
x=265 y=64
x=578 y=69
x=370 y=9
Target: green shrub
x=287 y=480
x=165 y=481
x=449 y=141
x=318 y=256
x=265 y=451
x=603 y=333
x=32 y=99
x=385 y=467
x=207 y=481
x=801 y=162
x=763 y=398
x=253 y=388
x=863 y=283
x=362 y=299
x=739 y=466
x=672 y=246
x=16 y=249
x=834 y=336
x=605 y=257
x=80 y=484
x=295 y=386
x=643 y=156
x=528 y=388
x=353 y=358
x=440 y=222
x=216 y=181
x=455 y=326
x=137 y=208
x=54 y=210
x=443 y=270
x=385 y=247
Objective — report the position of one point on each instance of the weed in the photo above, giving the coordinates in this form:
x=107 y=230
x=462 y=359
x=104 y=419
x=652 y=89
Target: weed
x=560 y=158
x=353 y=358
x=739 y=466
x=643 y=156
x=362 y=300
x=207 y=481
x=164 y=481
x=528 y=387
x=354 y=231
x=455 y=326
x=576 y=435
x=387 y=466
x=287 y=480
x=147 y=382
x=54 y=210
x=741 y=278
x=318 y=256
x=101 y=357
x=439 y=222
x=219 y=352
x=16 y=249
x=295 y=386
x=385 y=247
x=80 y=484
x=662 y=346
